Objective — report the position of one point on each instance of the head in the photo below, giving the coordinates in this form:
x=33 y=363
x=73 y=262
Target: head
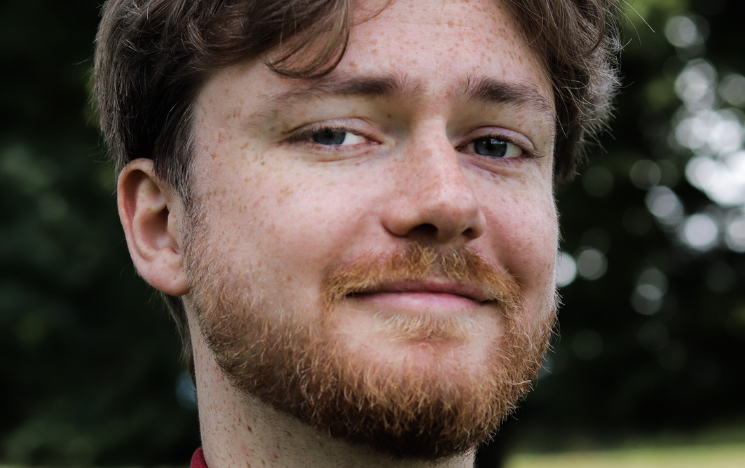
x=359 y=194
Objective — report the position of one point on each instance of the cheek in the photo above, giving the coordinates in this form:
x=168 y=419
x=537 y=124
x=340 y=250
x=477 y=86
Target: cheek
x=287 y=219
x=522 y=228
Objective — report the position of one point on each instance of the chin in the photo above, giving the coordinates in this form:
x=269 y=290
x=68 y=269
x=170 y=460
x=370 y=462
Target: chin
x=399 y=393
x=442 y=346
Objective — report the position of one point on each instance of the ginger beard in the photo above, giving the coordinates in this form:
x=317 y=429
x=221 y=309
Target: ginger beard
x=297 y=362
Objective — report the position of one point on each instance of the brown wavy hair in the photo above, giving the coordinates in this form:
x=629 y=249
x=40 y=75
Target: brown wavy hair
x=152 y=56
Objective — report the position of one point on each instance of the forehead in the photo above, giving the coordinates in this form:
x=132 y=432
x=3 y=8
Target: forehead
x=441 y=42
x=438 y=46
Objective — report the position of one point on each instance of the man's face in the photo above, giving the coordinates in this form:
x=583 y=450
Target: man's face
x=373 y=251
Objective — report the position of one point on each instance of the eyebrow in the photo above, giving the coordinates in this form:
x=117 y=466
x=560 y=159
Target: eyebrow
x=483 y=89
x=368 y=86
x=489 y=90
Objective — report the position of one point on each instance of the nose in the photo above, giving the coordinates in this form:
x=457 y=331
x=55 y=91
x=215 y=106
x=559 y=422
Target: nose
x=433 y=199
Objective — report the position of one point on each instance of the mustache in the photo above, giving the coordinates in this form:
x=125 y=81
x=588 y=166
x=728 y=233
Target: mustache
x=419 y=262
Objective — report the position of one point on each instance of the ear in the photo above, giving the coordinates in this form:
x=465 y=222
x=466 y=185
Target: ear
x=151 y=214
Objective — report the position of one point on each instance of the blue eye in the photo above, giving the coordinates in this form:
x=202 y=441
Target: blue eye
x=336 y=137
x=329 y=137
x=492 y=147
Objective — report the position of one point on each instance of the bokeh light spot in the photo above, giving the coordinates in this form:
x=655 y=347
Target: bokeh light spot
x=645 y=174
x=734 y=235
x=591 y=264
x=700 y=232
x=695 y=85
x=681 y=31
x=650 y=290
x=732 y=89
x=664 y=205
x=566 y=269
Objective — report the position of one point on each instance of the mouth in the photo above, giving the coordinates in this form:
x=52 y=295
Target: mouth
x=424 y=295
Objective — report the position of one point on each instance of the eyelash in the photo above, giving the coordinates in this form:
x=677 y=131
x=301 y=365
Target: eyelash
x=306 y=137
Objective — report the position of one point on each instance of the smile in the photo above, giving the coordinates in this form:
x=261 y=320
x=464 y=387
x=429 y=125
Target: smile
x=427 y=294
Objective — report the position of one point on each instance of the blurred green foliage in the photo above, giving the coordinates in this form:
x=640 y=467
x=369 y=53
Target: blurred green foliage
x=89 y=363
x=89 y=358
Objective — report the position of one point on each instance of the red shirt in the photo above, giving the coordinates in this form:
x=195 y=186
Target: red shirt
x=197 y=460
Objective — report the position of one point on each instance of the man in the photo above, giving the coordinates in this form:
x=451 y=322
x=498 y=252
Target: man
x=349 y=208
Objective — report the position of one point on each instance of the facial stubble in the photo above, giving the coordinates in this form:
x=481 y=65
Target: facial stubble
x=297 y=361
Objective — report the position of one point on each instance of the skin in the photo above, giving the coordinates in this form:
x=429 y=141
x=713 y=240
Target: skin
x=286 y=209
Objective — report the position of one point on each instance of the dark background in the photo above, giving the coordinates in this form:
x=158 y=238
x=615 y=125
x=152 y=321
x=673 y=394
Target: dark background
x=653 y=326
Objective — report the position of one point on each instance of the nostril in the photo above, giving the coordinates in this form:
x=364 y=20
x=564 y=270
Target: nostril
x=425 y=230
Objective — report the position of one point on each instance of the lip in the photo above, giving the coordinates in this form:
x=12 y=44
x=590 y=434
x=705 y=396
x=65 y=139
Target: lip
x=424 y=294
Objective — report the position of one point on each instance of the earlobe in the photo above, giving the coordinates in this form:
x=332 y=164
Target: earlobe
x=151 y=213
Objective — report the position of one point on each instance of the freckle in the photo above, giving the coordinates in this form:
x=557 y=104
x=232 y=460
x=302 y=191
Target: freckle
x=263 y=163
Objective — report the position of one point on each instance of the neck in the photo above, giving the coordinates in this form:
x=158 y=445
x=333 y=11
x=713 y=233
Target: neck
x=239 y=430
